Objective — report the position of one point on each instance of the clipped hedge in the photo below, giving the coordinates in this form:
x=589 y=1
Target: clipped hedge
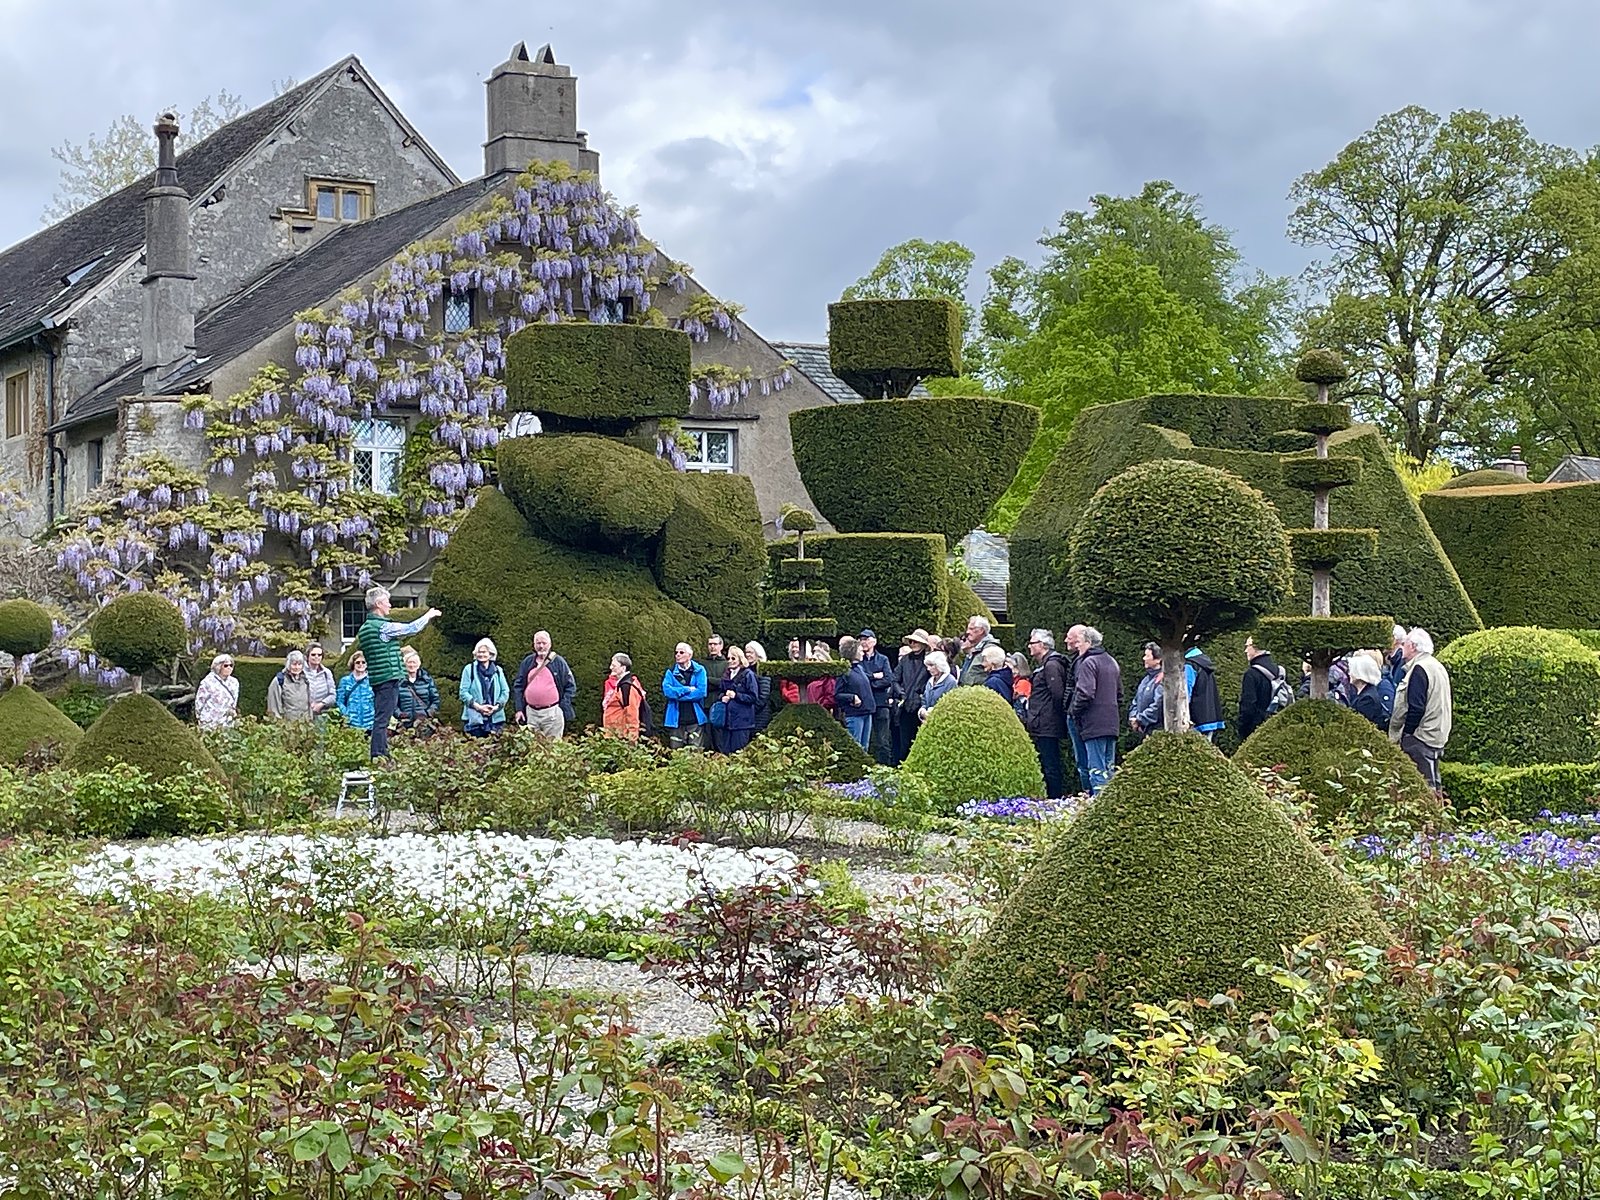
x=29 y=722
x=255 y=675
x=1180 y=871
x=1589 y=637
x=779 y=630
x=851 y=762
x=1327 y=747
x=790 y=571
x=890 y=582
x=883 y=347
x=1327 y=548
x=138 y=631
x=1523 y=696
x=1296 y=638
x=813 y=603
x=1522 y=793
x=804 y=671
x=1484 y=477
x=25 y=627
x=139 y=730
x=498 y=578
x=601 y=374
x=1321 y=366
x=1529 y=554
x=587 y=491
x=962 y=606
x=972 y=747
x=981 y=442
x=710 y=557
x=1308 y=474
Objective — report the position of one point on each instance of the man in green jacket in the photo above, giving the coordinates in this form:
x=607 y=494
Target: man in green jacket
x=379 y=639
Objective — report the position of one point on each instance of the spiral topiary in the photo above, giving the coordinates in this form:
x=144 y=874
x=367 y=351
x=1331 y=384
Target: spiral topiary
x=137 y=631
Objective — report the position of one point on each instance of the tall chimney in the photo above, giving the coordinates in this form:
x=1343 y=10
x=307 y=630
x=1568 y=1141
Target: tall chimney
x=168 y=333
x=533 y=115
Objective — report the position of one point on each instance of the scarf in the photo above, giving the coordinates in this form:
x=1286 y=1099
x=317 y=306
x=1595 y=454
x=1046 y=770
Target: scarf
x=485 y=672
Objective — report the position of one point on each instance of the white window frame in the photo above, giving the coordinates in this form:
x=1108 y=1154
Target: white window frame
x=699 y=460
x=381 y=450
x=19 y=385
x=344 y=607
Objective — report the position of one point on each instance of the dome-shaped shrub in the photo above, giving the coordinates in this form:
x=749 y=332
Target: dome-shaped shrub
x=1321 y=366
x=1486 y=477
x=1329 y=749
x=29 y=722
x=1180 y=871
x=972 y=747
x=139 y=730
x=25 y=627
x=587 y=491
x=1522 y=696
x=138 y=631
x=852 y=761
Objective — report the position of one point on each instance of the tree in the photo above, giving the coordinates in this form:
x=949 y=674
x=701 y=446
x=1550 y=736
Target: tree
x=921 y=270
x=1429 y=230
x=1180 y=552
x=126 y=153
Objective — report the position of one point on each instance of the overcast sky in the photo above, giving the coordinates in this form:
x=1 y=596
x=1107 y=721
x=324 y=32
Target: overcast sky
x=780 y=147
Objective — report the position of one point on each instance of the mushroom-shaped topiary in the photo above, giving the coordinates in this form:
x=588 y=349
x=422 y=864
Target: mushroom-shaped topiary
x=1180 y=552
x=1522 y=696
x=25 y=628
x=972 y=747
x=138 y=631
x=794 y=519
x=1484 y=477
x=29 y=722
x=1179 y=872
x=1321 y=367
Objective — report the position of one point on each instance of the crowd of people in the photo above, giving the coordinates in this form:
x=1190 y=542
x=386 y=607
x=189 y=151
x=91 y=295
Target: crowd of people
x=1069 y=701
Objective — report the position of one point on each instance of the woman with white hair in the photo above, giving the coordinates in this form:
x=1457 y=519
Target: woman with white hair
x=757 y=653
x=997 y=674
x=940 y=681
x=289 y=693
x=484 y=692
x=1366 y=682
x=216 y=700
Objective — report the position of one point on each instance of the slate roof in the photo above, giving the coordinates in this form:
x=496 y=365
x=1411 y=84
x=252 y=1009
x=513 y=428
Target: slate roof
x=811 y=358
x=989 y=555
x=238 y=323
x=1576 y=468
x=91 y=244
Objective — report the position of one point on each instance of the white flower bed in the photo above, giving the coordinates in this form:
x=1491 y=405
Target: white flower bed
x=496 y=874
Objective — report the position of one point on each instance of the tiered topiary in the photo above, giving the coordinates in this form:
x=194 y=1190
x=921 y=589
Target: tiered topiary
x=136 y=632
x=946 y=461
x=28 y=722
x=972 y=747
x=1327 y=747
x=1521 y=697
x=1322 y=637
x=1179 y=872
x=592 y=536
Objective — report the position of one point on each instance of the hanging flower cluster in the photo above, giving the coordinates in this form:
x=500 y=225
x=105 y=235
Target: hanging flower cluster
x=722 y=386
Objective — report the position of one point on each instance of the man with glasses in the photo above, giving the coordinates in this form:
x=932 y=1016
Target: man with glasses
x=1047 y=709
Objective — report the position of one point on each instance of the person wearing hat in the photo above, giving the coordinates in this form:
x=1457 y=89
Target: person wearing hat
x=880 y=674
x=910 y=677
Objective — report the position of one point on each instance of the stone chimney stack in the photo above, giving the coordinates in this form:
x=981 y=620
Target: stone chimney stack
x=168 y=335
x=533 y=115
x=1513 y=463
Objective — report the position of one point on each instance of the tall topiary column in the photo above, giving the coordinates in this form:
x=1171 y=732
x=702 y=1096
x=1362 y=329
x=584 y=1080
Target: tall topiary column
x=1322 y=637
x=799 y=608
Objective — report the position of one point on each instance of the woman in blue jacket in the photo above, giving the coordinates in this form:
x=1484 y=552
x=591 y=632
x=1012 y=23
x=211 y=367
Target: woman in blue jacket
x=484 y=692
x=355 y=694
x=740 y=695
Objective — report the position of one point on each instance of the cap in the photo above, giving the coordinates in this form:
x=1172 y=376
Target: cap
x=867 y=633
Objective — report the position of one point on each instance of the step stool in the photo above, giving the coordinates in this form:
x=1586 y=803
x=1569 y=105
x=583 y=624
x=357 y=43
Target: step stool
x=357 y=787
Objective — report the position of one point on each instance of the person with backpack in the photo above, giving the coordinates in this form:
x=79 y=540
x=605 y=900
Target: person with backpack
x=624 y=709
x=1264 y=690
x=1205 y=705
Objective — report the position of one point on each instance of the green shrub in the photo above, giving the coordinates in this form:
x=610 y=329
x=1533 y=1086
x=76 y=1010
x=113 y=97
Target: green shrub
x=82 y=702
x=890 y=582
x=884 y=347
x=1317 y=418
x=1589 y=637
x=25 y=627
x=29 y=723
x=979 y=441
x=972 y=747
x=1523 y=696
x=1321 y=366
x=138 y=730
x=1179 y=872
x=1295 y=638
x=1522 y=793
x=138 y=631
x=588 y=492
x=1528 y=554
x=962 y=605
x=1487 y=477
x=498 y=579
x=803 y=672
x=1312 y=548
x=1308 y=473
x=255 y=675
x=851 y=761
x=282 y=771
x=1335 y=754
x=711 y=555
x=582 y=373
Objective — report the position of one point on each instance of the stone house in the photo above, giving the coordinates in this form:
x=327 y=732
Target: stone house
x=189 y=281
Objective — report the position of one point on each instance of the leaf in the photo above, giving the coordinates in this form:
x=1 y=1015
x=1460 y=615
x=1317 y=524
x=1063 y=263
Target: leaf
x=725 y=1166
x=313 y=1143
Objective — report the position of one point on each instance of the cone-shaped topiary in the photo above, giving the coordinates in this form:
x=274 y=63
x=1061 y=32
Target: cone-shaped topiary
x=140 y=731
x=1328 y=748
x=852 y=762
x=137 y=631
x=29 y=722
x=972 y=747
x=1523 y=696
x=25 y=627
x=1180 y=871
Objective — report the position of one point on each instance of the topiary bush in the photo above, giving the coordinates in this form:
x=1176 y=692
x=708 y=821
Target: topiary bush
x=1485 y=477
x=852 y=762
x=29 y=722
x=884 y=347
x=1321 y=366
x=1522 y=793
x=597 y=375
x=25 y=627
x=955 y=457
x=711 y=556
x=588 y=492
x=972 y=747
x=138 y=631
x=139 y=730
x=1330 y=750
x=890 y=582
x=1523 y=696
x=1180 y=871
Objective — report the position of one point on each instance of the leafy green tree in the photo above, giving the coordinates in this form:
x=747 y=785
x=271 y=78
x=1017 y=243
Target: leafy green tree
x=922 y=270
x=1428 y=227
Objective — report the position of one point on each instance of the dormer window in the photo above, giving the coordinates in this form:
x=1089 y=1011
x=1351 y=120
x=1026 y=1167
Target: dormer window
x=331 y=200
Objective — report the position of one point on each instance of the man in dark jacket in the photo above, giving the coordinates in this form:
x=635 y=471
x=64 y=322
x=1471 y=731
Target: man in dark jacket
x=1047 y=708
x=716 y=671
x=541 y=694
x=1147 y=713
x=881 y=676
x=1261 y=678
x=1096 y=707
x=910 y=677
x=1205 y=705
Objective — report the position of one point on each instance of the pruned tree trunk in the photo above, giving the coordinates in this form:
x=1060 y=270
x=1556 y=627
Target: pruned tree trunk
x=1319 y=509
x=1174 y=689
x=1321 y=592
x=1321 y=660
x=138 y=684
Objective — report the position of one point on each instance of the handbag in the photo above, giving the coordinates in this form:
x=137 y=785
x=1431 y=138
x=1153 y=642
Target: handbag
x=719 y=715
